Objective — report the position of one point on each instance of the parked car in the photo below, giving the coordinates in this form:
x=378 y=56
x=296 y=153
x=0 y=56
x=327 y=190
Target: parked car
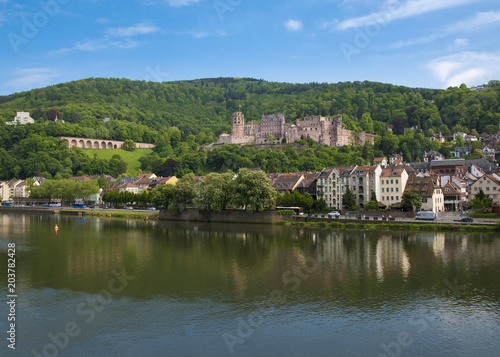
x=465 y=219
x=128 y=207
x=334 y=214
x=152 y=209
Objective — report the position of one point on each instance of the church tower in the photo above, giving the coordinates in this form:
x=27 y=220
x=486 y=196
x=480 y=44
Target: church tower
x=238 y=124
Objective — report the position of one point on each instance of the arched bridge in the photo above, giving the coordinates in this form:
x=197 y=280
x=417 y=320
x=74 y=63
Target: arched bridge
x=100 y=144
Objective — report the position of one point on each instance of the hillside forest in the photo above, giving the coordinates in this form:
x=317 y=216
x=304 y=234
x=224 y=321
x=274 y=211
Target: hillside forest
x=182 y=117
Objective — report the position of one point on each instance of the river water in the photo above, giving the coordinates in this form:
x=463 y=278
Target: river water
x=109 y=287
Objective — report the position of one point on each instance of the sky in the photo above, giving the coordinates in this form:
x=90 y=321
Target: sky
x=416 y=43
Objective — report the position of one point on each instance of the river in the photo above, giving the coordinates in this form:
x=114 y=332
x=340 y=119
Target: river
x=111 y=287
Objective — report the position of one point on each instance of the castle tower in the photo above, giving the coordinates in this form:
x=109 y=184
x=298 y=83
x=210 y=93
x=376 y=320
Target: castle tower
x=336 y=138
x=238 y=124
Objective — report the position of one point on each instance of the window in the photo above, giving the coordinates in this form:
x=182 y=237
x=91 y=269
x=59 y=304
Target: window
x=475 y=188
x=397 y=198
x=397 y=181
x=382 y=189
x=487 y=188
x=392 y=181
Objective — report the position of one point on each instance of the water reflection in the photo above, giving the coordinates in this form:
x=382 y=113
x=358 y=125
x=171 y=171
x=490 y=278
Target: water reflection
x=191 y=282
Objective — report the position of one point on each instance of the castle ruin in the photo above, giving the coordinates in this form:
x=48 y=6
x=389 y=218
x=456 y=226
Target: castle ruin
x=324 y=130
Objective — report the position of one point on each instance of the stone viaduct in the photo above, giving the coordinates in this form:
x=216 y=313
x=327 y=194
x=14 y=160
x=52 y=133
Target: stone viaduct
x=86 y=143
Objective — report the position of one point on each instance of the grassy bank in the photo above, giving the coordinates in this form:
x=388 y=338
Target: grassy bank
x=111 y=214
x=131 y=158
x=397 y=226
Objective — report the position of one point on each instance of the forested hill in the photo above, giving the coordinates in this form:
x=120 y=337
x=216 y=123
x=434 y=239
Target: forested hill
x=205 y=105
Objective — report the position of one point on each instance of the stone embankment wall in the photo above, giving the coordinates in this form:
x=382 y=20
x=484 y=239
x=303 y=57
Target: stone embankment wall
x=226 y=216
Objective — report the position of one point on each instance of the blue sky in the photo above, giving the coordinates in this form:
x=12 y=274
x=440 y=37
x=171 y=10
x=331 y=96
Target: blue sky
x=418 y=43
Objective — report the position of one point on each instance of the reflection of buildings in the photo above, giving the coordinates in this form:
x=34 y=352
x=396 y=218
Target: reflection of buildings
x=348 y=252
x=13 y=224
x=390 y=254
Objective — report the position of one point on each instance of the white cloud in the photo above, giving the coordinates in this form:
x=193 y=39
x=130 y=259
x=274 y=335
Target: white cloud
x=134 y=30
x=101 y=20
x=460 y=42
x=393 y=10
x=115 y=37
x=475 y=23
x=466 y=67
x=89 y=45
x=480 y=19
x=293 y=25
x=199 y=34
x=416 y=41
x=180 y=3
x=31 y=77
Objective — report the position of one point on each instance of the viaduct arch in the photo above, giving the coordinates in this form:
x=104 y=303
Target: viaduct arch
x=99 y=144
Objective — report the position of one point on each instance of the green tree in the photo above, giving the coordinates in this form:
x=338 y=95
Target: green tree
x=306 y=202
x=182 y=194
x=411 y=200
x=253 y=191
x=271 y=139
x=481 y=202
x=215 y=191
x=348 y=200
x=162 y=196
x=128 y=145
x=372 y=205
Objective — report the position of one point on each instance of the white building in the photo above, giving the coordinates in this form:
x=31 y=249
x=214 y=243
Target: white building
x=392 y=185
x=21 y=118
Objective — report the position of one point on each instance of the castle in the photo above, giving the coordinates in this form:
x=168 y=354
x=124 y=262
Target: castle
x=323 y=130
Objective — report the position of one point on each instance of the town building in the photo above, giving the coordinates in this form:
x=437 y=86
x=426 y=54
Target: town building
x=128 y=187
x=392 y=185
x=490 y=184
x=454 y=193
x=382 y=161
x=21 y=118
x=309 y=185
x=287 y=182
x=429 y=190
x=4 y=191
x=439 y=137
x=328 y=188
x=363 y=180
x=396 y=159
x=461 y=151
x=432 y=155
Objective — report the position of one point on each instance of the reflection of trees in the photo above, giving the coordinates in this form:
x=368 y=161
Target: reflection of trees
x=193 y=260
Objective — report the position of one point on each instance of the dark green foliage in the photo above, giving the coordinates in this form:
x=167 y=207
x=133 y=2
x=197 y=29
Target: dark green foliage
x=349 y=200
x=180 y=116
x=411 y=200
x=481 y=202
x=372 y=205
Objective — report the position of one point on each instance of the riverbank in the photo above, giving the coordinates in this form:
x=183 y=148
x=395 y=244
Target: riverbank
x=67 y=211
x=393 y=226
x=110 y=213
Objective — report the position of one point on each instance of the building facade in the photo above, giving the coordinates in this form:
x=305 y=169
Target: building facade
x=392 y=185
x=21 y=118
x=490 y=184
x=323 y=130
